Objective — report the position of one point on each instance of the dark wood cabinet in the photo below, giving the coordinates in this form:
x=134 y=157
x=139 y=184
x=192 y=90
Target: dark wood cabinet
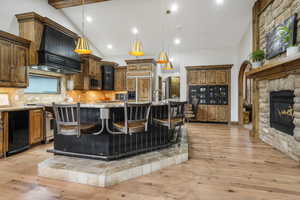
x=14 y=58
x=120 y=78
x=3 y=132
x=36 y=126
x=108 y=74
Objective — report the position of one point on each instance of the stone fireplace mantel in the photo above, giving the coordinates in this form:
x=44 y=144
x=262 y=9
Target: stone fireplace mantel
x=278 y=75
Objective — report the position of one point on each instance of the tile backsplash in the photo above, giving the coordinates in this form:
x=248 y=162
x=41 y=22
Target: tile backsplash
x=17 y=97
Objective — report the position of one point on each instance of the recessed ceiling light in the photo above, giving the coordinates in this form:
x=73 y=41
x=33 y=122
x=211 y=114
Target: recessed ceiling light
x=177 y=41
x=89 y=19
x=135 y=31
x=174 y=7
x=109 y=46
x=220 y=2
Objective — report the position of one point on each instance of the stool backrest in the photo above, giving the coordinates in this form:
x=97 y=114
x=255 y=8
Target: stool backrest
x=136 y=113
x=67 y=116
x=176 y=110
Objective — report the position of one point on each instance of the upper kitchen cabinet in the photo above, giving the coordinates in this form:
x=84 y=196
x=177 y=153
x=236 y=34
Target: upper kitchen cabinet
x=90 y=77
x=14 y=56
x=120 y=78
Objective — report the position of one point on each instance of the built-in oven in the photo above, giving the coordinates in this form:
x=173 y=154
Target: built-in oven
x=131 y=96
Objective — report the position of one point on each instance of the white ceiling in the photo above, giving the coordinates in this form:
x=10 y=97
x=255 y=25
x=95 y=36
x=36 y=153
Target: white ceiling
x=203 y=24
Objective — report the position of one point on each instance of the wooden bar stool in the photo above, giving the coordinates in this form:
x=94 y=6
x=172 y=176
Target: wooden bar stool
x=175 y=116
x=136 y=117
x=67 y=118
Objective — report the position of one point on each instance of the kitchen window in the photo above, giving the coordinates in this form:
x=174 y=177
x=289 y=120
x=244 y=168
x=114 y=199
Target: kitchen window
x=43 y=85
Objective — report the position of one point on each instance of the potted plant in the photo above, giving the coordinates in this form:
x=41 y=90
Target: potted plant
x=286 y=35
x=257 y=58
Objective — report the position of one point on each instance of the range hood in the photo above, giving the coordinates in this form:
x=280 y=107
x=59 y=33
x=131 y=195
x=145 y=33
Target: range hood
x=56 y=53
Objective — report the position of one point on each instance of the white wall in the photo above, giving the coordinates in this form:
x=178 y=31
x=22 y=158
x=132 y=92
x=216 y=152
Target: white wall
x=9 y=8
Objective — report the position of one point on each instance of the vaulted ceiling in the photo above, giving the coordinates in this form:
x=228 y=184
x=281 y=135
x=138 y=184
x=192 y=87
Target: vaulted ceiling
x=200 y=24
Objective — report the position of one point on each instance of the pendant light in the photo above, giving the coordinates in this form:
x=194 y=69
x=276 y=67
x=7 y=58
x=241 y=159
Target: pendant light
x=168 y=66
x=137 y=49
x=82 y=46
x=163 y=56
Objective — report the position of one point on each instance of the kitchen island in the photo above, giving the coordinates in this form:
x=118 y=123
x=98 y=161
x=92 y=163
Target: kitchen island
x=106 y=145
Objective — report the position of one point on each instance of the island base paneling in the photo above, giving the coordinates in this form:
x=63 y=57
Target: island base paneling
x=107 y=146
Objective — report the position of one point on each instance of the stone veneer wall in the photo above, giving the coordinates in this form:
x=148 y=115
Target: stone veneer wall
x=287 y=144
x=274 y=15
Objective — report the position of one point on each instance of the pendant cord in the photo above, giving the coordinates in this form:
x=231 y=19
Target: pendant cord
x=83 y=15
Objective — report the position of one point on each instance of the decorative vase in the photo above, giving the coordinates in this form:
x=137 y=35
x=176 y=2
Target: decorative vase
x=290 y=51
x=257 y=64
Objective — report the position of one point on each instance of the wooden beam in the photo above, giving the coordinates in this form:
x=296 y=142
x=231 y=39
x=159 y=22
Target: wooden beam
x=71 y=3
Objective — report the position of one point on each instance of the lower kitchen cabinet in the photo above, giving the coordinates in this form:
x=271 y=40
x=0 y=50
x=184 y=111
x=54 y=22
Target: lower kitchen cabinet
x=3 y=133
x=212 y=113
x=36 y=126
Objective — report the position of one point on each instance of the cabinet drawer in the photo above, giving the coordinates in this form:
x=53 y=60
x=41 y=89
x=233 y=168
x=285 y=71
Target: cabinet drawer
x=132 y=68
x=145 y=68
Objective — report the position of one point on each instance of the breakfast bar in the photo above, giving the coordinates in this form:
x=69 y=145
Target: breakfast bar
x=106 y=143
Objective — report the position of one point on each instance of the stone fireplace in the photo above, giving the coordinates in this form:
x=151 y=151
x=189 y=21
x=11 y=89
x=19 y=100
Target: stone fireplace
x=279 y=114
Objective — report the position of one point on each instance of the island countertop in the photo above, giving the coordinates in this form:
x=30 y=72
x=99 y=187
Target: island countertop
x=112 y=104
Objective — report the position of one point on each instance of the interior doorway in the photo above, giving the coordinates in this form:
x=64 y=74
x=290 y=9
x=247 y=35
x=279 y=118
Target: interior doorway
x=245 y=95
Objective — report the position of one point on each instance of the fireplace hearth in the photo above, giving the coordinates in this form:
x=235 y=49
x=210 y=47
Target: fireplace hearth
x=282 y=111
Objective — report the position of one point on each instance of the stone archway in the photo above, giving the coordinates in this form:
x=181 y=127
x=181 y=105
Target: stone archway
x=244 y=67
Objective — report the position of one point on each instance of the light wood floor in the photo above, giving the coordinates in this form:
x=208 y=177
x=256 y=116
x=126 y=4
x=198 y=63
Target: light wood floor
x=225 y=164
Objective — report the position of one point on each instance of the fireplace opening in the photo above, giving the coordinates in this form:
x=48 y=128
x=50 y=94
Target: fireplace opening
x=282 y=111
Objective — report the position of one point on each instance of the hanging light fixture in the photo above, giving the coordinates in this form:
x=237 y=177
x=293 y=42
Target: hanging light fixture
x=163 y=55
x=137 y=49
x=163 y=58
x=82 y=46
x=168 y=66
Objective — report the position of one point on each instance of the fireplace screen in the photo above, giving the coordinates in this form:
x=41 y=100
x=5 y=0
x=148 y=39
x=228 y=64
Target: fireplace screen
x=282 y=111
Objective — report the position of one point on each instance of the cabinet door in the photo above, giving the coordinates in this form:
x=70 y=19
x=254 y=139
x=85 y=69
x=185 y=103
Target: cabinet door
x=144 y=89
x=120 y=79
x=202 y=113
x=201 y=77
x=2 y=133
x=222 y=113
x=20 y=78
x=192 y=77
x=222 y=77
x=6 y=63
x=211 y=77
x=36 y=119
x=131 y=84
x=211 y=113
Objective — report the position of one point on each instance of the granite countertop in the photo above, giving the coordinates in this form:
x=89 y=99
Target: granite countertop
x=107 y=104
x=19 y=108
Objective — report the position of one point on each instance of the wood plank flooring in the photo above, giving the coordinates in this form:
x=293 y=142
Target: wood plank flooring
x=225 y=164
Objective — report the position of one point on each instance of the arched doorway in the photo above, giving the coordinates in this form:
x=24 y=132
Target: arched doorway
x=245 y=91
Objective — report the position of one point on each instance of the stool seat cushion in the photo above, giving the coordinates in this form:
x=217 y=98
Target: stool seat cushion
x=121 y=125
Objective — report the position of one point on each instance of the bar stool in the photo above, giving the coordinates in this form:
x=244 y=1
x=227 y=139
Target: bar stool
x=136 y=117
x=175 y=117
x=68 y=123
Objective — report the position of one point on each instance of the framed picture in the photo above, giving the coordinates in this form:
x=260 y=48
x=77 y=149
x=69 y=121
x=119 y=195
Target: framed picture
x=275 y=45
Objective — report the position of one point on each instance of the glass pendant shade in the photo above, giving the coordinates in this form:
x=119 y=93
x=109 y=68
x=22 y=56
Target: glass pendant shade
x=168 y=66
x=163 y=58
x=137 y=49
x=82 y=46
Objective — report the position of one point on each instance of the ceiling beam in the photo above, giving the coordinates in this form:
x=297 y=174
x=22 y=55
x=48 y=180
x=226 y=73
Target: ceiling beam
x=71 y=3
